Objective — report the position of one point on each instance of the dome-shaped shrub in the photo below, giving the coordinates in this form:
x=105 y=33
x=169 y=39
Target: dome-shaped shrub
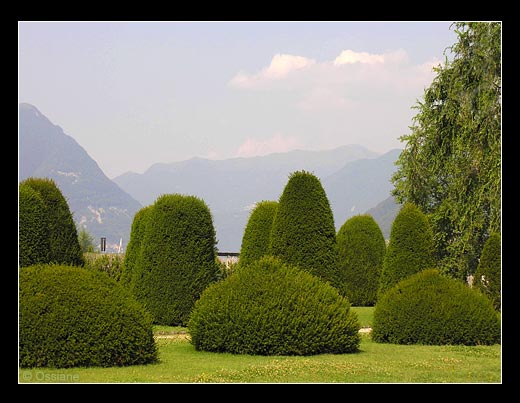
x=33 y=228
x=255 y=242
x=429 y=308
x=71 y=317
x=303 y=232
x=62 y=232
x=488 y=274
x=410 y=249
x=269 y=308
x=133 y=249
x=361 y=249
x=178 y=258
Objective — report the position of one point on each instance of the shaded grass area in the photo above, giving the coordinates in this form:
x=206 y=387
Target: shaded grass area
x=375 y=363
x=365 y=315
x=168 y=330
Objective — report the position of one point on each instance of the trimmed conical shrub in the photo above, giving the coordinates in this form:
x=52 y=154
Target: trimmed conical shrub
x=178 y=258
x=430 y=308
x=487 y=276
x=270 y=308
x=361 y=249
x=72 y=317
x=33 y=228
x=303 y=232
x=62 y=232
x=410 y=249
x=133 y=249
x=255 y=242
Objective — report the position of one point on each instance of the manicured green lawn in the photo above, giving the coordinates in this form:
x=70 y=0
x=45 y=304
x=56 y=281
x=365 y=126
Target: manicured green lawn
x=375 y=363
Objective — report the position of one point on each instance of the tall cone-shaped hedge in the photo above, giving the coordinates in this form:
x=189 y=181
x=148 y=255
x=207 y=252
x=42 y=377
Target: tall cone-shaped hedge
x=133 y=250
x=33 y=241
x=178 y=258
x=487 y=276
x=361 y=250
x=255 y=242
x=62 y=232
x=410 y=249
x=303 y=232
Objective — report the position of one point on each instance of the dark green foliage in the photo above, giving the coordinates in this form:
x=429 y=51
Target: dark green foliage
x=86 y=241
x=177 y=258
x=255 y=242
x=269 y=308
x=62 y=233
x=109 y=263
x=488 y=274
x=361 y=249
x=33 y=241
x=303 y=232
x=429 y=308
x=133 y=249
x=225 y=269
x=451 y=164
x=71 y=317
x=410 y=249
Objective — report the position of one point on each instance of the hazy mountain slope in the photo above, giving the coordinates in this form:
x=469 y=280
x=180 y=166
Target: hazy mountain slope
x=353 y=175
x=96 y=202
x=360 y=185
x=384 y=214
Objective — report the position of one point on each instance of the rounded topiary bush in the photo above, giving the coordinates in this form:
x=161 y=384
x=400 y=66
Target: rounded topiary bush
x=269 y=308
x=487 y=276
x=303 y=232
x=33 y=228
x=62 y=232
x=178 y=258
x=361 y=249
x=410 y=249
x=429 y=308
x=133 y=249
x=255 y=242
x=71 y=317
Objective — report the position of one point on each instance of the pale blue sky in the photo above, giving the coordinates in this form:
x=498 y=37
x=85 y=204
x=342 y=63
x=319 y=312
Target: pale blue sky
x=136 y=93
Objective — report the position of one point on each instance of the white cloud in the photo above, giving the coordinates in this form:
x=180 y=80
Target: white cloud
x=275 y=144
x=428 y=66
x=280 y=67
x=350 y=57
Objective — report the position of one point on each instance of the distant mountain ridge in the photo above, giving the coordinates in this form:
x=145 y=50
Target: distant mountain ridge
x=354 y=178
x=95 y=201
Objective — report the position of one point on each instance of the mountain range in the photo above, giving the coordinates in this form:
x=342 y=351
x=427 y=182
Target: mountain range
x=96 y=202
x=354 y=178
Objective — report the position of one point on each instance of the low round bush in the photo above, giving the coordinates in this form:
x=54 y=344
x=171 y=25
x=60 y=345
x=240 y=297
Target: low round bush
x=429 y=308
x=270 y=308
x=71 y=317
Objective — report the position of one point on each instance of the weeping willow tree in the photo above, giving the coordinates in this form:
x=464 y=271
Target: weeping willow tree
x=451 y=164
